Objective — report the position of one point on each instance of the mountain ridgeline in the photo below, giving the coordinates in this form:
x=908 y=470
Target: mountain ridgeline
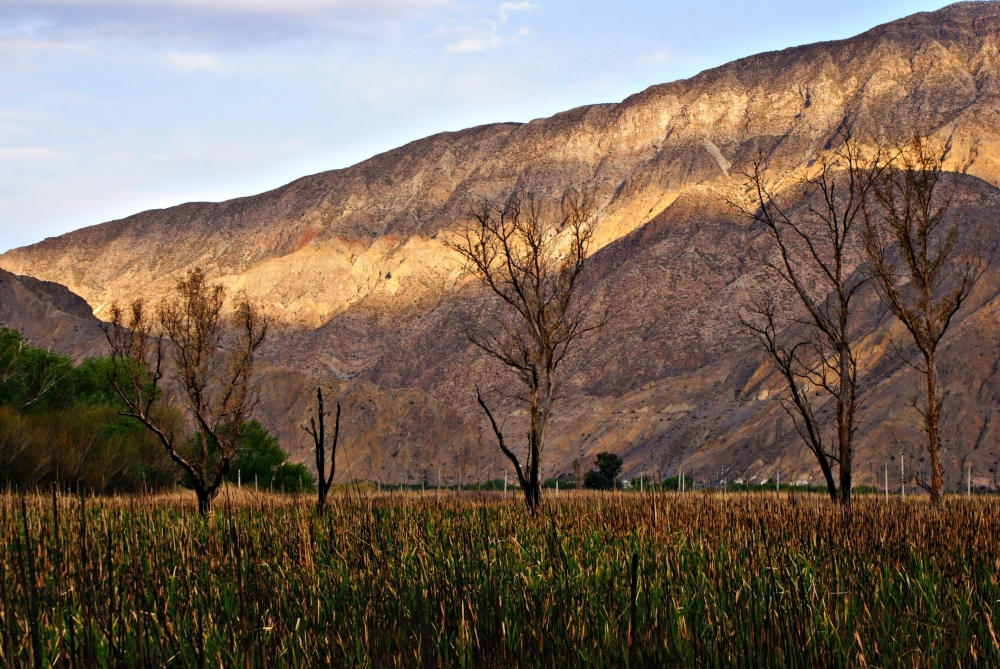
x=353 y=267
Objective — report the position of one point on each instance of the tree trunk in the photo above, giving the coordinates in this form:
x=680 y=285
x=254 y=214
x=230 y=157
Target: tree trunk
x=831 y=485
x=845 y=406
x=204 y=500
x=532 y=494
x=933 y=435
x=321 y=489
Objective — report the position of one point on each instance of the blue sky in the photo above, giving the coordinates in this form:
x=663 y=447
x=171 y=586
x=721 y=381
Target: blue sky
x=109 y=107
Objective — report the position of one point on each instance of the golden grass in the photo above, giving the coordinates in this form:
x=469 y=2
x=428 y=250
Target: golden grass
x=403 y=580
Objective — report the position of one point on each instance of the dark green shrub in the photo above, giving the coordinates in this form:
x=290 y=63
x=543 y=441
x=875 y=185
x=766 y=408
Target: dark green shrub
x=595 y=480
x=87 y=446
x=260 y=458
x=29 y=376
x=605 y=477
x=59 y=424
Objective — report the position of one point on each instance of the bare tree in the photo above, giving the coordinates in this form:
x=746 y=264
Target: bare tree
x=318 y=434
x=815 y=249
x=532 y=261
x=212 y=363
x=922 y=271
x=760 y=318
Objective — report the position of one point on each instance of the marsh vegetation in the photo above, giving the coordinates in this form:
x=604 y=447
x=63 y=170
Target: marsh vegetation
x=403 y=579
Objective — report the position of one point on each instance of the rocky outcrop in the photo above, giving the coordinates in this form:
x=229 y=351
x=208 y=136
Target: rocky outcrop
x=49 y=315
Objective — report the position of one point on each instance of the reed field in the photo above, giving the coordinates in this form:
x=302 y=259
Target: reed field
x=473 y=580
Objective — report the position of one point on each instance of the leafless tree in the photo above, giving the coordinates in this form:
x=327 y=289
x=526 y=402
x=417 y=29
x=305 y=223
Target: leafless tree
x=532 y=260
x=923 y=272
x=760 y=318
x=318 y=434
x=815 y=249
x=211 y=358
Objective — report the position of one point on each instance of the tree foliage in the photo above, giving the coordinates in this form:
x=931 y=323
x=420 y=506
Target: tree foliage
x=259 y=458
x=60 y=424
x=605 y=477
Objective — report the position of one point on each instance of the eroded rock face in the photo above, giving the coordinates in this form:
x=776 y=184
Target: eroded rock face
x=352 y=264
x=49 y=315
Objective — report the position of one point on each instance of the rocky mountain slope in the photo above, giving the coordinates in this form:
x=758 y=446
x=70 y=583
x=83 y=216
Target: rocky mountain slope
x=375 y=420
x=49 y=315
x=352 y=265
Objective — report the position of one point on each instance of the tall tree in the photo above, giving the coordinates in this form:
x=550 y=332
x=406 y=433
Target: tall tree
x=318 y=434
x=212 y=363
x=922 y=269
x=761 y=319
x=531 y=259
x=814 y=247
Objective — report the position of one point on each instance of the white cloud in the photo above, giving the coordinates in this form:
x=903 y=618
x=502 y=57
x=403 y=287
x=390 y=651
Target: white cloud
x=17 y=53
x=466 y=38
x=212 y=21
x=364 y=10
x=10 y=114
x=516 y=6
x=661 y=56
x=484 y=36
x=193 y=61
x=16 y=152
x=283 y=7
x=471 y=44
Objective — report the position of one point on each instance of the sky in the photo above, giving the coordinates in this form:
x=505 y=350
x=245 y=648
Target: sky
x=110 y=107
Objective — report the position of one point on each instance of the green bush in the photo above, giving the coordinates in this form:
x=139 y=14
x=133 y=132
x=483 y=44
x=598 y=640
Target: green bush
x=260 y=458
x=595 y=480
x=60 y=424
x=674 y=483
x=605 y=477
x=87 y=446
x=29 y=376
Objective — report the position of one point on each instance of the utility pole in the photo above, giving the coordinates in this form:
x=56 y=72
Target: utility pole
x=902 y=478
x=968 y=484
x=887 y=483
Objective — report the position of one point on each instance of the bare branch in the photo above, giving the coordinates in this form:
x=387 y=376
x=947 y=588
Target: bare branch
x=531 y=257
x=922 y=274
x=214 y=363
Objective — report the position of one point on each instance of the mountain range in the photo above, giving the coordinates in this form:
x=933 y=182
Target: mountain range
x=353 y=268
